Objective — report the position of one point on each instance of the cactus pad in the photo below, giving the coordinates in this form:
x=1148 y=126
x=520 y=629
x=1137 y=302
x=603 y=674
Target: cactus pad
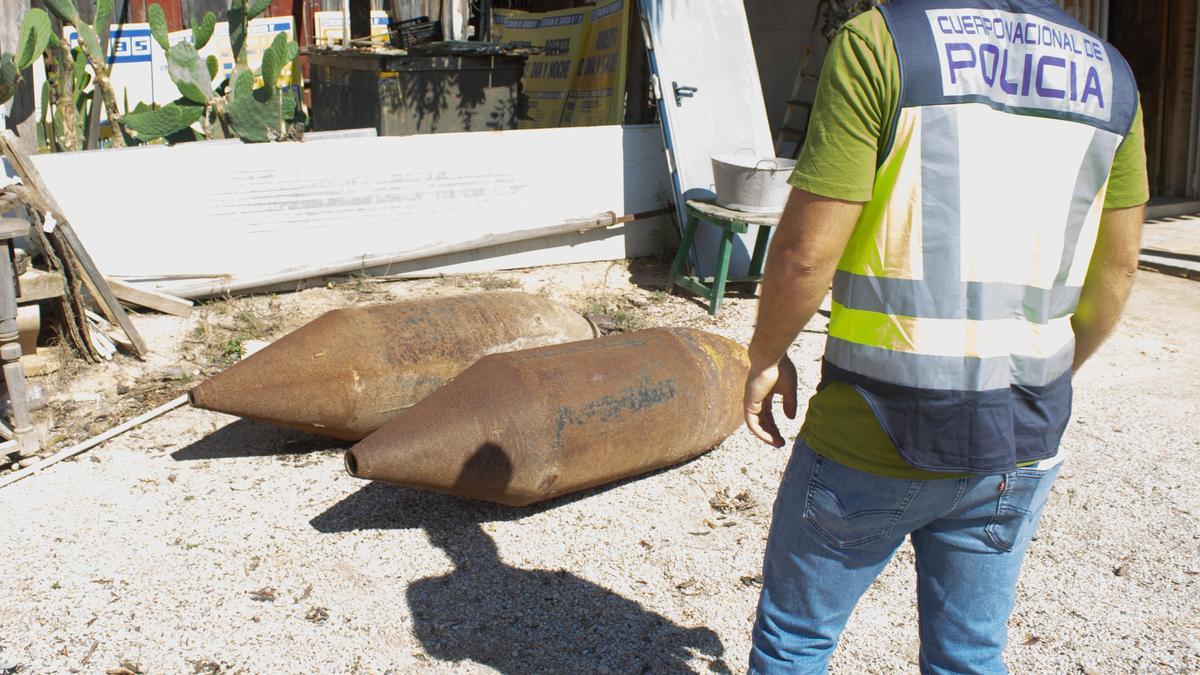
x=158 y=25
x=257 y=7
x=65 y=10
x=36 y=34
x=202 y=30
x=189 y=72
x=254 y=117
x=9 y=77
x=165 y=121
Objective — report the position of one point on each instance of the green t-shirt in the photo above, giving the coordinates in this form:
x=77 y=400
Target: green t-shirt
x=856 y=101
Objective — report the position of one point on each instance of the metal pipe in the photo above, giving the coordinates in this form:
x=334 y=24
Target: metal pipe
x=92 y=442
x=370 y=261
x=346 y=24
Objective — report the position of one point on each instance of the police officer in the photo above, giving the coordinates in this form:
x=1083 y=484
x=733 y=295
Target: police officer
x=972 y=187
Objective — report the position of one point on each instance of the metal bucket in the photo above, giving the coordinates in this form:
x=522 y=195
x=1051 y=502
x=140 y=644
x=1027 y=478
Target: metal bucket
x=745 y=183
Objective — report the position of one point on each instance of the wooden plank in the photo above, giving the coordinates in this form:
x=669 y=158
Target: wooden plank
x=42 y=362
x=24 y=168
x=38 y=284
x=167 y=304
x=11 y=228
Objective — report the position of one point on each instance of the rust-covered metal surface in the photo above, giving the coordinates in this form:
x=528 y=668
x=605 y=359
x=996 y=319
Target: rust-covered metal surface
x=525 y=426
x=347 y=372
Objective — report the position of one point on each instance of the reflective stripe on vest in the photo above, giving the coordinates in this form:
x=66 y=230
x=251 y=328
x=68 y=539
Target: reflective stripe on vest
x=953 y=301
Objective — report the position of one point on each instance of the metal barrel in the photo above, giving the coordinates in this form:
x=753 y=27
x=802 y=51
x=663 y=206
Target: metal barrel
x=349 y=371
x=525 y=426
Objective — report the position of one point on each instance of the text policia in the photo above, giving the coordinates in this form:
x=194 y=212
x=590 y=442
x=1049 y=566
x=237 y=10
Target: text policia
x=1021 y=60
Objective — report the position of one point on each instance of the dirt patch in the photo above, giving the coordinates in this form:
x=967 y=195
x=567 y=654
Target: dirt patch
x=144 y=552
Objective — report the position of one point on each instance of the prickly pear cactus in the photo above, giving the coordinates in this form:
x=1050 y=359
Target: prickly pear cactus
x=36 y=33
x=189 y=73
x=203 y=29
x=10 y=77
x=92 y=53
x=236 y=107
x=165 y=121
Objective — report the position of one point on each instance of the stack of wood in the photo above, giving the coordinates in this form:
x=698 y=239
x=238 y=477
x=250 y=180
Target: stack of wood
x=65 y=254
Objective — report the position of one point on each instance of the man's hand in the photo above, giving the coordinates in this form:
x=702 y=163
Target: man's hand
x=810 y=238
x=761 y=386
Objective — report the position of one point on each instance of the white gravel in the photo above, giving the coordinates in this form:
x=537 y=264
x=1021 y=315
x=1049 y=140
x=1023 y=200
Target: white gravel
x=202 y=543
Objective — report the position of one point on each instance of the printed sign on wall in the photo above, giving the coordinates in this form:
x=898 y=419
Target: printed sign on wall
x=580 y=81
x=131 y=70
x=597 y=93
x=547 y=78
x=329 y=26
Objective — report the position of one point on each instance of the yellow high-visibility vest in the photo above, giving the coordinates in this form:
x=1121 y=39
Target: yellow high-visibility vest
x=952 y=303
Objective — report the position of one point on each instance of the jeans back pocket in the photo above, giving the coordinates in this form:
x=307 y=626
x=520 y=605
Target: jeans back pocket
x=1020 y=504
x=850 y=508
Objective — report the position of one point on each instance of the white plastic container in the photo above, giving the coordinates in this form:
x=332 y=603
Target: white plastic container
x=746 y=183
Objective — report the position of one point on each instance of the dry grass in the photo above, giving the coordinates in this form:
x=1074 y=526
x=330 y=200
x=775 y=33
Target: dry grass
x=363 y=288
x=222 y=329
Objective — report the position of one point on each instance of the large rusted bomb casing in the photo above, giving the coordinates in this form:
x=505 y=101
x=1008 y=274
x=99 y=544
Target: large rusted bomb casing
x=525 y=426
x=350 y=370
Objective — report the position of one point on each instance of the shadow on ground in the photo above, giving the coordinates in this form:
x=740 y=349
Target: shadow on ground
x=651 y=274
x=244 y=438
x=511 y=619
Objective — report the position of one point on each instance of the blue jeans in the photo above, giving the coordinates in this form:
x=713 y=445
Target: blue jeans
x=835 y=528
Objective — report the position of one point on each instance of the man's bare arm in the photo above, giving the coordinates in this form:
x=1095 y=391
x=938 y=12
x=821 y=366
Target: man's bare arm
x=1109 y=278
x=809 y=240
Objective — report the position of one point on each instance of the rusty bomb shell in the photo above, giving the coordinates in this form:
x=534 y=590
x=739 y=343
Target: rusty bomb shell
x=350 y=370
x=525 y=426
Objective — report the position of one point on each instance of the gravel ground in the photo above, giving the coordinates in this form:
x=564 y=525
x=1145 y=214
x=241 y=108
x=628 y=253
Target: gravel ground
x=203 y=543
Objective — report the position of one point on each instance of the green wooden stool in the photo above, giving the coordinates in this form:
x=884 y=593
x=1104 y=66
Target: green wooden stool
x=731 y=222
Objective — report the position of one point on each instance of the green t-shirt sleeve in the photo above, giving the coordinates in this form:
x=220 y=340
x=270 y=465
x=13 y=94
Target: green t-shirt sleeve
x=856 y=99
x=1128 y=184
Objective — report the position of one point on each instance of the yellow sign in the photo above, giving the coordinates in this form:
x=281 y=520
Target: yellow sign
x=597 y=93
x=329 y=27
x=547 y=77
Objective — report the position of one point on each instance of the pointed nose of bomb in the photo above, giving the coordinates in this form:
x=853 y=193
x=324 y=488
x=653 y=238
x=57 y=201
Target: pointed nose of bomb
x=462 y=439
x=521 y=427
x=349 y=371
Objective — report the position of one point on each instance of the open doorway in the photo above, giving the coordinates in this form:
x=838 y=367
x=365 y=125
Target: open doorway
x=1158 y=38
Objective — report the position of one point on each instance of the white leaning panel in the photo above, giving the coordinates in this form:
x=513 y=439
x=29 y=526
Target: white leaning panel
x=226 y=208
